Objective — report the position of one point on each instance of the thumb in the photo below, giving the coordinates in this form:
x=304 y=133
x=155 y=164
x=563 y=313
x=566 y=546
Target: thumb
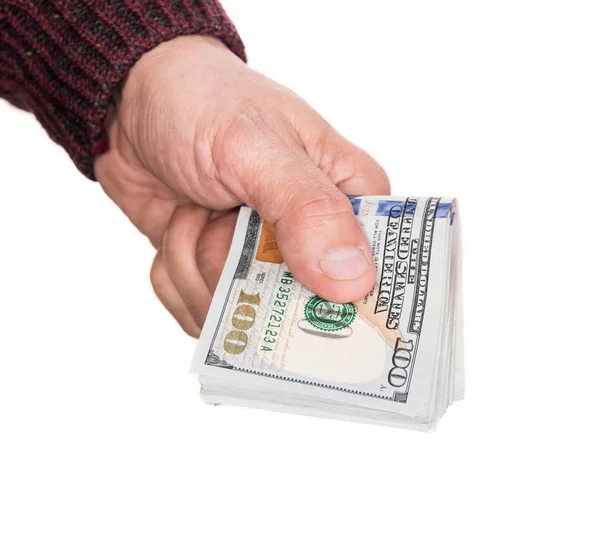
x=317 y=232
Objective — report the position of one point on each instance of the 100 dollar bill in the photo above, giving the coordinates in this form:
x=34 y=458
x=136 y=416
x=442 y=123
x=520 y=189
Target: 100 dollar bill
x=265 y=331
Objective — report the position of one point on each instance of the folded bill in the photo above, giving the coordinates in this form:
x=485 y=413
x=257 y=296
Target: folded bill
x=394 y=357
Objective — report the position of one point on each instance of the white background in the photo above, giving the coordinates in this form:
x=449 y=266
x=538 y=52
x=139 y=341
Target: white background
x=104 y=442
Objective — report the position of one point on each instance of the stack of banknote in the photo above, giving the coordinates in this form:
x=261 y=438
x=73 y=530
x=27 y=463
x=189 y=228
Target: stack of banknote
x=394 y=357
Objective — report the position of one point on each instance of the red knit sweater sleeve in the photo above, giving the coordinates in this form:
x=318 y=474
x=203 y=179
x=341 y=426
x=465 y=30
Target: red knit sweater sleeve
x=64 y=59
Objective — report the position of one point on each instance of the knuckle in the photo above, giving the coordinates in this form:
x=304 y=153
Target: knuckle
x=207 y=256
x=309 y=210
x=182 y=233
x=191 y=332
x=385 y=179
x=233 y=135
x=377 y=176
x=330 y=147
x=158 y=274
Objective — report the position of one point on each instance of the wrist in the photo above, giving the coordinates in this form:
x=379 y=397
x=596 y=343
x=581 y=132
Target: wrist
x=183 y=51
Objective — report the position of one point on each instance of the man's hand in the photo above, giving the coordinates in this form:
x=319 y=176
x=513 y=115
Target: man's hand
x=194 y=134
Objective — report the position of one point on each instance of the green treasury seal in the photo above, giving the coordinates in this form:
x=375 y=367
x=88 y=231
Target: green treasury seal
x=325 y=315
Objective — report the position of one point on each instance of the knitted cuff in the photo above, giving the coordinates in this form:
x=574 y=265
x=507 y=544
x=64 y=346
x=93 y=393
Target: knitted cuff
x=64 y=59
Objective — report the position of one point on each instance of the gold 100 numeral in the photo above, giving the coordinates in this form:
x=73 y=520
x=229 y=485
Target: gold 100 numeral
x=242 y=319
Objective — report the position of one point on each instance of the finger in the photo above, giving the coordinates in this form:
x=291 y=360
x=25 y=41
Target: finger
x=146 y=201
x=213 y=248
x=169 y=296
x=354 y=171
x=179 y=252
x=349 y=167
x=317 y=232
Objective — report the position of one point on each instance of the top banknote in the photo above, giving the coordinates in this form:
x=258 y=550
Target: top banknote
x=393 y=356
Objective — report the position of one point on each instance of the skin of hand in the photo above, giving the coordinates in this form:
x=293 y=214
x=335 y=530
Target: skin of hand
x=194 y=133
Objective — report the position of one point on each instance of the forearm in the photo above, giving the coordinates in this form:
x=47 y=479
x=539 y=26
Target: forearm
x=63 y=61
